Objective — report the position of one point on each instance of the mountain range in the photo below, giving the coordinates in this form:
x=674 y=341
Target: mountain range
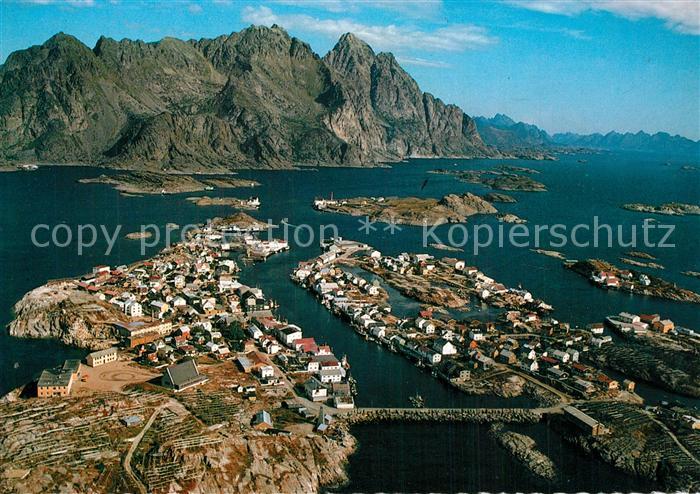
x=507 y=135
x=256 y=98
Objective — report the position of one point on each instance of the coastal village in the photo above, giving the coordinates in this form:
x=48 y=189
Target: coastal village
x=523 y=339
x=184 y=327
x=186 y=339
x=187 y=303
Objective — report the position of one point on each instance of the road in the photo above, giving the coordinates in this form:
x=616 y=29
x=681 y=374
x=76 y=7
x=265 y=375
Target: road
x=134 y=444
x=563 y=396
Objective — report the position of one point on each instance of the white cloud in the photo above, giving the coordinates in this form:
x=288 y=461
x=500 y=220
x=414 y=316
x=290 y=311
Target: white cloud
x=679 y=15
x=72 y=3
x=456 y=37
x=194 y=8
x=422 y=62
x=417 y=9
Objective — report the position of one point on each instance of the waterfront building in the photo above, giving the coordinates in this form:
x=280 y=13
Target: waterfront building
x=444 y=347
x=585 y=421
x=289 y=334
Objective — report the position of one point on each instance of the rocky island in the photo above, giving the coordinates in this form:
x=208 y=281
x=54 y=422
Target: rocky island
x=203 y=201
x=496 y=179
x=670 y=208
x=608 y=276
x=141 y=182
x=642 y=264
x=499 y=197
x=511 y=218
x=416 y=211
x=641 y=255
x=549 y=253
x=138 y=235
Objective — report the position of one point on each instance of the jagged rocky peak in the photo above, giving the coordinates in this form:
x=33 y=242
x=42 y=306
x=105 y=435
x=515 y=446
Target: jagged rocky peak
x=351 y=56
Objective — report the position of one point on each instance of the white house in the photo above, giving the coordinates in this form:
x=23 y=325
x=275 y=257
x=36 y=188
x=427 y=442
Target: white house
x=289 y=334
x=530 y=365
x=476 y=335
x=330 y=375
x=444 y=347
x=425 y=325
x=133 y=309
x=315 y=390
x=266 y=371
x=628 y=318
x=254 y=332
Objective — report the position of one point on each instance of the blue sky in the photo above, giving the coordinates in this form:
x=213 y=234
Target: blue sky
x=565 y=65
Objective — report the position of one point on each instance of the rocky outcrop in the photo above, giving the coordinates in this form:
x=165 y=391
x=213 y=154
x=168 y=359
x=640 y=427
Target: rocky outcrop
x=60 y=311
x=466 y=205
x=292 y=464
x=524 y=449
x=257 y=98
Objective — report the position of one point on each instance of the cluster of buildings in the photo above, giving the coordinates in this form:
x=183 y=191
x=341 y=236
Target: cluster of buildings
x=322 y=376
x=523 y=338
x=188 y=302
x=183 y=301
x=179 y=305
x=633 y=325
x=623 y=280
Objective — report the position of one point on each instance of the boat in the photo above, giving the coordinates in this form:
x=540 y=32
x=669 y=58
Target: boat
x=417 y=401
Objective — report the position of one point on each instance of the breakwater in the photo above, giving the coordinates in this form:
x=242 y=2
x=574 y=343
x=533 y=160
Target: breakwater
x=473 y=415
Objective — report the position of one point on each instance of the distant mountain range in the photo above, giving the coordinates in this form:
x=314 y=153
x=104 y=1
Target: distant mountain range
x=506 y=134
x=257 y=98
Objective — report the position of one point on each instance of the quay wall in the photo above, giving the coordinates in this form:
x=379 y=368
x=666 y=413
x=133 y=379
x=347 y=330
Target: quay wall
x=474 y=415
